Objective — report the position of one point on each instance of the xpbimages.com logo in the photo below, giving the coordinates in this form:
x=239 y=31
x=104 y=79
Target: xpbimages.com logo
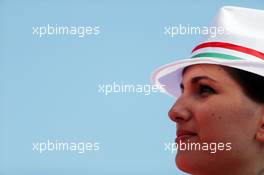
x=63 y=146
x=180 y=30
x=64 y=30
x=114 y=87
x=190 y=146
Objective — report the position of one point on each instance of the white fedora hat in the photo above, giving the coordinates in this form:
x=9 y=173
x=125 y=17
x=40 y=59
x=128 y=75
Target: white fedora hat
x=240 y=46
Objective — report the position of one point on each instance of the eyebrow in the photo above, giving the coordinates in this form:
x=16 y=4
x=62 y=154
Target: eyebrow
x=197 y=79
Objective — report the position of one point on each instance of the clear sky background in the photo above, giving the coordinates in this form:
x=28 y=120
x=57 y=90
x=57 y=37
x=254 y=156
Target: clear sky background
x=49 y=85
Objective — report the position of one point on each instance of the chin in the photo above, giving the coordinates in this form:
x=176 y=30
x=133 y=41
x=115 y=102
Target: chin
x=192 y=162
x=196 y=162
x=184 y=161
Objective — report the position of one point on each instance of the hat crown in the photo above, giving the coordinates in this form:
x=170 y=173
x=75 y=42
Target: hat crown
x=242 y=26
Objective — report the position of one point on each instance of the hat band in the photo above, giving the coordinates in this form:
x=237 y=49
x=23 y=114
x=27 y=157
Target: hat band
x=229 y=46
x=217 y=55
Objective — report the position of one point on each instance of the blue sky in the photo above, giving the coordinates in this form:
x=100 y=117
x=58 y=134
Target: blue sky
x=49 y=85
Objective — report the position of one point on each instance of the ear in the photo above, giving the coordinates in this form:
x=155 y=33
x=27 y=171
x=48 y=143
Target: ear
x=260 y=130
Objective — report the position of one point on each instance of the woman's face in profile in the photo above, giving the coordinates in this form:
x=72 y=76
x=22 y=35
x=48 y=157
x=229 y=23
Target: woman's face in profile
x=214 y=109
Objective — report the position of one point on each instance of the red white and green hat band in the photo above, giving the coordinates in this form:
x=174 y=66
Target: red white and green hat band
x=227 y=51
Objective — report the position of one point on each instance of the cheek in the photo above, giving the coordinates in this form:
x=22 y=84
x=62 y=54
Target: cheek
x=223 y=121
x=210 y=122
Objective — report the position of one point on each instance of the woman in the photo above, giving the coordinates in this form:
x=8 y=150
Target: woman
x=219 y=108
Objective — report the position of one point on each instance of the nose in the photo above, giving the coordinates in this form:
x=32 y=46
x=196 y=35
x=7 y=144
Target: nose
x=180 y=111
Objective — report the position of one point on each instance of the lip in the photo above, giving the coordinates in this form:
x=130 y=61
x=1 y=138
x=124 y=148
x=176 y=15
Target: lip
x=184 y=135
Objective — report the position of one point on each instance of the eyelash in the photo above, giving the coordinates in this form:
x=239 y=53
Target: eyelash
x=205 y=89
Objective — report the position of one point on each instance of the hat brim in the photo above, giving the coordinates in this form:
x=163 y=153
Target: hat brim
x=169 y=76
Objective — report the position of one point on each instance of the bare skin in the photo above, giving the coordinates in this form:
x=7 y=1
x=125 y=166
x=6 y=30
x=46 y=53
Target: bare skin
x=214 y=107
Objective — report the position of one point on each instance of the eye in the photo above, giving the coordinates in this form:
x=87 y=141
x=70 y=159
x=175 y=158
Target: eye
x=204 y=90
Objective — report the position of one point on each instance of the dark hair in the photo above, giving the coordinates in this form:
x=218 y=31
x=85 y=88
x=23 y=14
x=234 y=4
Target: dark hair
x=252 y=84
